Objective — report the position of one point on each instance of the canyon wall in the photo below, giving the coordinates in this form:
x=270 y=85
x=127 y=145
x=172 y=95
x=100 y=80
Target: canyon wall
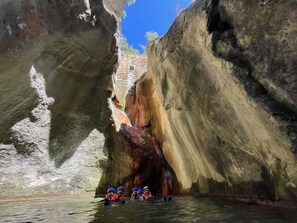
x=220 y=96
x=214 y=113
x=131 y=67
x=56 y=64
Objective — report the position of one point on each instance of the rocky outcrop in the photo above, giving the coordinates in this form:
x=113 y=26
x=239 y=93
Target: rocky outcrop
x=220 y=96
x=56 y=64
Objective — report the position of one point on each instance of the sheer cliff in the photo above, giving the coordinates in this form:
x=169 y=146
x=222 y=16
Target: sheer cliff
x=220 y=96
x=214 y=113
x=56 y=64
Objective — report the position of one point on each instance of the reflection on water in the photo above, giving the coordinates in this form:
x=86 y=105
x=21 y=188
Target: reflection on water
x=182 y=209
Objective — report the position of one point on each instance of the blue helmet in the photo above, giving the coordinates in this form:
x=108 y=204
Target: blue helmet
x=135 y=189
x=139 y=191
x=111 y=190
x=121 y=188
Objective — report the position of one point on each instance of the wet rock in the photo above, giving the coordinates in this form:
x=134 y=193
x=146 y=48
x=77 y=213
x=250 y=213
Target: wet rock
x=149 y=164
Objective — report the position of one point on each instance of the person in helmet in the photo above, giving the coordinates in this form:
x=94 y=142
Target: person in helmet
x=119 y=196
x=109 y=197
x=146 y=193
x=139 y=194
x=134 y=194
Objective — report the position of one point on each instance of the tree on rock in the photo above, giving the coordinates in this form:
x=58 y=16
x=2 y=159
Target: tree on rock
x=151 y=36
x=125 y=47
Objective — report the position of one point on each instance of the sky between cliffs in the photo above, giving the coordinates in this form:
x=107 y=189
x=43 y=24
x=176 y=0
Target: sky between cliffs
x=150 y=15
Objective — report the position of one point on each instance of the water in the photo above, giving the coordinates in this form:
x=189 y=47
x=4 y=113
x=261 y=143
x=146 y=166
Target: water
x=182 y=209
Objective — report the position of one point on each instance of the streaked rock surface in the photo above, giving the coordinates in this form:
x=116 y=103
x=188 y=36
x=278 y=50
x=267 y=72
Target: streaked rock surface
x=219 y=95
x=217 y=104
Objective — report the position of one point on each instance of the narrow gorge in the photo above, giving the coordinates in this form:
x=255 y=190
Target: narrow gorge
x=210 y=109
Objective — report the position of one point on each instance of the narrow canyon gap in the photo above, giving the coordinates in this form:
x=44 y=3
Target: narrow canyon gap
x=215 y=112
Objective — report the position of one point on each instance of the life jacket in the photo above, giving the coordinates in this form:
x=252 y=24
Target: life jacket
x=147 y=195
x=111 y=198
x=135 y=196
x=116 y=197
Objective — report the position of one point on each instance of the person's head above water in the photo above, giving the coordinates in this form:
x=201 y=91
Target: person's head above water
x=134 y=189
x=111 y=190
x=120 y=190
x=146 y=189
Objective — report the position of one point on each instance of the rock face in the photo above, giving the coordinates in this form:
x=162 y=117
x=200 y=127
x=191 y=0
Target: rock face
x=56 y=64
x=149 y=165
x=215 y=112
x=220 y=96
x=131 y=67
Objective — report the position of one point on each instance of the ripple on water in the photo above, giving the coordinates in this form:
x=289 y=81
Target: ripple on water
x=183 y=209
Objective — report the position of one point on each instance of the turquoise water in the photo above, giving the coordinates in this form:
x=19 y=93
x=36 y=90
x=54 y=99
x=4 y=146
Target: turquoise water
x=182 y=209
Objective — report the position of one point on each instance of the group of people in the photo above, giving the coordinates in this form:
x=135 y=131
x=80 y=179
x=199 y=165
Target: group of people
x=138 y=193
x=118 y=195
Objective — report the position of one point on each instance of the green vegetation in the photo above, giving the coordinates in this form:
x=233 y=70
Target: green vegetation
x=124 y=14
x=130 y=2
x=125 y=47
x=151 y=36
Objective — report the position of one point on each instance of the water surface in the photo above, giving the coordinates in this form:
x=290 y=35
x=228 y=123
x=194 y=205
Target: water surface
x=182 y=209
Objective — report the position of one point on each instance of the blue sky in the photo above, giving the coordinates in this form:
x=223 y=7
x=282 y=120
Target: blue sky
x=150 y=15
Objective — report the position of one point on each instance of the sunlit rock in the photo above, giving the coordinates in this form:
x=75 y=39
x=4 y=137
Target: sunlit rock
x=219 y=95
x=56 y=64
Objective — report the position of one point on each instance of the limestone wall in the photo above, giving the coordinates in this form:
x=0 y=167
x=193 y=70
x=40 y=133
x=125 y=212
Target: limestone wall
x=219 y=96
x=56 y=64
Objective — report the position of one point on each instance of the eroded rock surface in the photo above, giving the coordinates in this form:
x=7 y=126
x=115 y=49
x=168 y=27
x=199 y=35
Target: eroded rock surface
x=220 y=96
x=56 y=64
